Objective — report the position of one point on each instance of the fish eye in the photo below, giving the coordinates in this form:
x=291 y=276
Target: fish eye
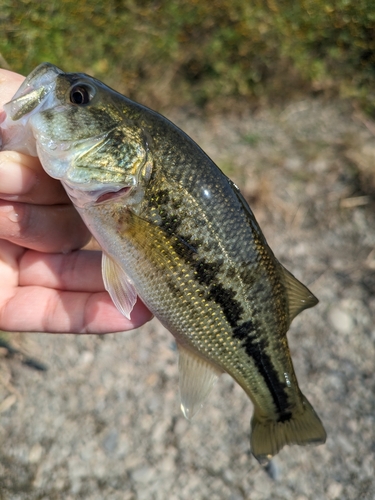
x=80 y=95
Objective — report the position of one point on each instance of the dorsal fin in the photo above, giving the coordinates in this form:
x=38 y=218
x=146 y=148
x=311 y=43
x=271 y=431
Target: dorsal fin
x=299 y=296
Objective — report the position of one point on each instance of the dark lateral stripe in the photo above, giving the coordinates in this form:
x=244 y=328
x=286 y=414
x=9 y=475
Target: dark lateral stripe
x=224 y=297
x=256 y=349
x=206 y=271
x=207 y=274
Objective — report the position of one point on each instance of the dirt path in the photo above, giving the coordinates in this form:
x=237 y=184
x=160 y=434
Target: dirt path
x=104 y=421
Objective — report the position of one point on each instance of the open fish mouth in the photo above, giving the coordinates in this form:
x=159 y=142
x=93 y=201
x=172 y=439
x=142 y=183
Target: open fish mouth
x=36 y=92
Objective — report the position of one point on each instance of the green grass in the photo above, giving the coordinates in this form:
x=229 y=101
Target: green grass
x=209 y=52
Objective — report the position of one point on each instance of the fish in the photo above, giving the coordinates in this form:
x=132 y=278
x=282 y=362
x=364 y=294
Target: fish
x=177 y=232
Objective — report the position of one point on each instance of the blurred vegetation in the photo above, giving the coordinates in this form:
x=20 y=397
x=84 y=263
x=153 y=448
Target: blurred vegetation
x=209 y=52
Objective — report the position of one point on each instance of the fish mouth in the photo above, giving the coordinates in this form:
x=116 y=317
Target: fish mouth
x=34 y=95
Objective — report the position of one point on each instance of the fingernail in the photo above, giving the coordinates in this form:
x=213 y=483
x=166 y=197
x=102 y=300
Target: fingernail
x=15 y=178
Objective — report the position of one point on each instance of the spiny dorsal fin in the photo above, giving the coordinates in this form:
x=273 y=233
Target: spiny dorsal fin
x=299 y=295
x=118 y=285
x=197 y=378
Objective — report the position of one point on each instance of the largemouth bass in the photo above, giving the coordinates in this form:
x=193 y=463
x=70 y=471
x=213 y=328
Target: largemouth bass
x=177 y=232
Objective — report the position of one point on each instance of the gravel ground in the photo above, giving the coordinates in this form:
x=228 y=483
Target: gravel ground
x=104 y=421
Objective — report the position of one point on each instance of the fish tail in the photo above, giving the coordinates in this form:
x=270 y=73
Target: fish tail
x=302 y=428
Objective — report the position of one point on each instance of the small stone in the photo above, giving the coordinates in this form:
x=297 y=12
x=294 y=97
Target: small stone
x=341 y=320
x=334 y=490
x=293 y=164
x=167 y=464
x=86 y=358
x=272 y=470
x=236 y=496
x=35 y=454
x=110 y=441
x=8 y=403
x=143 y=474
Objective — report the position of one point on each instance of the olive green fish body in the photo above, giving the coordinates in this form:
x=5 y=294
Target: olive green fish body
x=176 y=231
x=200 y=262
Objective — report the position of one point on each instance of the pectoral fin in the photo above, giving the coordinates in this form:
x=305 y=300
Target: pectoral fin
x=119 y=285
x=299 y=295
x=197 y=377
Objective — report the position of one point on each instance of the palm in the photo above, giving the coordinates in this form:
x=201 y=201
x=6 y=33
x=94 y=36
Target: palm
x=58 y=293
x=46 y=284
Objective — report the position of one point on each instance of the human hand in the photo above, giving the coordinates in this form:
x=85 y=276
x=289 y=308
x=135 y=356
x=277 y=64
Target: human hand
x=47 y=284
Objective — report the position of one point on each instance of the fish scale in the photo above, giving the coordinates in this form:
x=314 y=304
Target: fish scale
x=177 y=232
x=184 y=319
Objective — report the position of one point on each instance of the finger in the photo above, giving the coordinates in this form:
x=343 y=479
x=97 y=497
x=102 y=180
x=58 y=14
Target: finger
x=75 y=271
x=23 y=179
x=52 y=311
x=56 y=228
x=10 y=256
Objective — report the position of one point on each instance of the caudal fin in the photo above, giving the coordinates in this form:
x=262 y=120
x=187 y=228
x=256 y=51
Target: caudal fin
x=303 y=428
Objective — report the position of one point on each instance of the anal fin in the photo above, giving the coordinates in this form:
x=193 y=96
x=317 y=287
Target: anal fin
x=118 y=285
x=197 y=378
